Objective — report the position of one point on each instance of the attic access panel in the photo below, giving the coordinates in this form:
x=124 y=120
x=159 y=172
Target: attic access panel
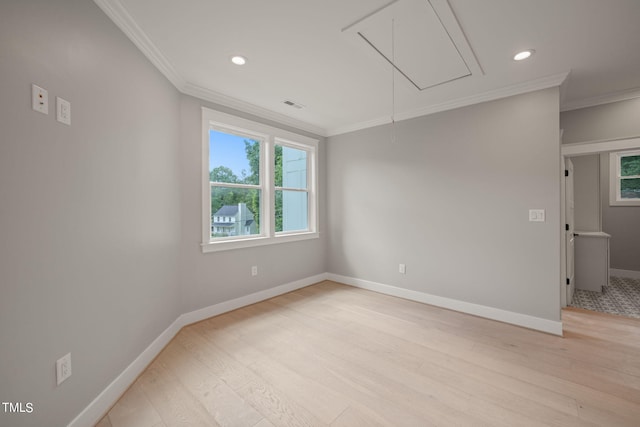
x=421 y=39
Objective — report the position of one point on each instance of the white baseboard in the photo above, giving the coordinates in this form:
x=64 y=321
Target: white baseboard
x=223 y=307
x=624 y=273
x=531 y=322
x=101 y=404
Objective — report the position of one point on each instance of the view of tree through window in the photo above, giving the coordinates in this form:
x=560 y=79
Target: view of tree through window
x=234 y=175
x=259 y=184
x=630 y=177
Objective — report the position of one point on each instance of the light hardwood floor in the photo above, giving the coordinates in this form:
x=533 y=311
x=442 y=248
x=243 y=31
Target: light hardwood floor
x=330 y=354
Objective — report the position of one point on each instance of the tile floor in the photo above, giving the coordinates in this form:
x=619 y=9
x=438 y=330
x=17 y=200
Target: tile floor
x=621 y=297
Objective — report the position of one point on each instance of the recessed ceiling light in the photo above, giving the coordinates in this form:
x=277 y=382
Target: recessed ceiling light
x=523 y=55
x=239 y=60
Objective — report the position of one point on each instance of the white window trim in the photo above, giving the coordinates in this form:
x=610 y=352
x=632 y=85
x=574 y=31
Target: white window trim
x=614 y=179
x=270 y=136
x=311 y=184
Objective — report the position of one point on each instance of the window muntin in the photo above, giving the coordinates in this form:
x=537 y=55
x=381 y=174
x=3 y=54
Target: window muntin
x=624 y=187
x=270 y=171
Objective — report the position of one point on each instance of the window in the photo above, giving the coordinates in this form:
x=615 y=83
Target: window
x=259 y=184
x=624 y=182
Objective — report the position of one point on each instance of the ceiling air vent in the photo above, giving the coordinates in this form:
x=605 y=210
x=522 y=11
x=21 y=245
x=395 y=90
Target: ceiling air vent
x=294 y=104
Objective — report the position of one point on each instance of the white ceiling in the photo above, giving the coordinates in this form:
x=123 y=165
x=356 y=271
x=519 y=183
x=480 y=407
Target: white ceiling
x=309 y=52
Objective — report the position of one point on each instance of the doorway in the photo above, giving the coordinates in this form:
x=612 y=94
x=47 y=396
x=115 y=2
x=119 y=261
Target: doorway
x=621 y=288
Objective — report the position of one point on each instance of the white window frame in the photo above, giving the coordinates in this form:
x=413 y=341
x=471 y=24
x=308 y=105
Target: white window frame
x=615 y=178
x=268 y=136
x=310 y=177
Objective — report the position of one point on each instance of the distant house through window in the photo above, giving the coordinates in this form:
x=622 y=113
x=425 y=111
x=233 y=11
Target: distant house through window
x=259 y=184
x=235 y=183
x=233 y=220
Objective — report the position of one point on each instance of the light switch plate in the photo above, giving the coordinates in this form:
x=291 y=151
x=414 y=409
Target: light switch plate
x=536 y=215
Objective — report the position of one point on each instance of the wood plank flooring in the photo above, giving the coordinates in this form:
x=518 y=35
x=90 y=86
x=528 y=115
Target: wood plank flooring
x=334 y=355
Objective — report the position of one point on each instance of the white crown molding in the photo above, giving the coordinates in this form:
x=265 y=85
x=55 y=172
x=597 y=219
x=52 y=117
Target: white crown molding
x=359 y=126
x=247 y=107
x=492 y=95
x=121 y=17
x=602 y=99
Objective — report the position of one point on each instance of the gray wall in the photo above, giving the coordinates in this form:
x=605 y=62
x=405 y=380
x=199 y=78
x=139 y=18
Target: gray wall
x=89 y=214
x=220 y=276
x=608 y=121
x=623 y=223
x=586 y=186
x=449 y=197
x=100 y=221
x=604 y=122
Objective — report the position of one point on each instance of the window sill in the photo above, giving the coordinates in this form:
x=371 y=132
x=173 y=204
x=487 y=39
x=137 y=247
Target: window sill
x=624 y=202
x=228 y=245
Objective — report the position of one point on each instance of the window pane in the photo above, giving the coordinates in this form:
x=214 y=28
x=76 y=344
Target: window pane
x=630 y=188
x=630 y=166
x=291 y=210
x=290 y=167
x=233 y=158
x=234 y=211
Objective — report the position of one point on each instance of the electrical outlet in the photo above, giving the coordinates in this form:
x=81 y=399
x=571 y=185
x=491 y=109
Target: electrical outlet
x=63 y=368
x=63 y=111
x=402 y=269
x=39 y=99
x=254 y=270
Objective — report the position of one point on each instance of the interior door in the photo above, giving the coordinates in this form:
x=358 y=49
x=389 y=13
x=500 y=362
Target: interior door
x=569 y=231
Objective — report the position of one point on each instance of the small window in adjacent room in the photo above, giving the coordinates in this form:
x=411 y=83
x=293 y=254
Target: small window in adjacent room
x=624 y=182
x=259 y=184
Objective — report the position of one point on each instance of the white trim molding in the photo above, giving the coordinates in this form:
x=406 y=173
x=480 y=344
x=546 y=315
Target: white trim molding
x=247 y=107
x=101 y=404
x=604 y=146
x=631 y=274
x=492 y=95
x=118 y=13
x=518 y=319
x=609 y=98
x=121 y=17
